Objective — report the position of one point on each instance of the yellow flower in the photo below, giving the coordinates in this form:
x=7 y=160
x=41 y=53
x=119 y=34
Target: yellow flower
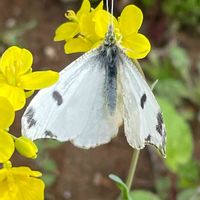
x=20 y=183
x=126 y=29
x=87 y=29
x=7 y=115
x=26 y=147
x=17 y=81
x=70 y=29
x=79 y=32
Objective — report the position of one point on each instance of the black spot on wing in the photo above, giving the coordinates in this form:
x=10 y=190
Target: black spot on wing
x=57 y=97
x=49 y=134
x=30 y=120
x=160 y=126
x=143 y=100
x=148 y=139
x=31 y=123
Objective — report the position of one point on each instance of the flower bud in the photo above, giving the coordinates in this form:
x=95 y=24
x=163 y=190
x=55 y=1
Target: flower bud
x=26 y=147
x=7 y=165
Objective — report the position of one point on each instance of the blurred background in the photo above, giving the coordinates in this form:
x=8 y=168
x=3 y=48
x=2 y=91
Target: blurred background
x=173 y=28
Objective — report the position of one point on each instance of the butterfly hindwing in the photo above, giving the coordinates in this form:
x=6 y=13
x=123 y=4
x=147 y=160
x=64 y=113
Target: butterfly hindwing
x=143 y=121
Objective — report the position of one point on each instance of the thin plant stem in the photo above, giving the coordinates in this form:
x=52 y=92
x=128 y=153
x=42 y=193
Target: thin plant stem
x=132 y=168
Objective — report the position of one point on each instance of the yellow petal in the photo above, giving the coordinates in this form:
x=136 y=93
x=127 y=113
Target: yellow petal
x=29 y=93
x=85 y=8
x=38 y=80
x=7 y=113
x=102 y=20
x=130 y=20
x=18 y=184
x=77 y=45
x=18 y=60
x=89 y=30
x=6 y=146
x=99 y=7
x=25 y=171
x=136 y=46
x=87 y=24
x=2 y=78
x=15 y=95
x=30 y=189
x=66 y=31
x=2 y=174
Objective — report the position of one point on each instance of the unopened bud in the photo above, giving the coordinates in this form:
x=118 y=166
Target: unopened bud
x=26 y=147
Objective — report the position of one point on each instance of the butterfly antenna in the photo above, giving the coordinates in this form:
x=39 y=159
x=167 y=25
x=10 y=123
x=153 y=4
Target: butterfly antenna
x=107 y=5
x=112 y=12
x=110 y=18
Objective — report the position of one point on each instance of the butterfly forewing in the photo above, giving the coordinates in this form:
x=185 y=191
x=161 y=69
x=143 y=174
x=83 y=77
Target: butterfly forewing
x=74 y=108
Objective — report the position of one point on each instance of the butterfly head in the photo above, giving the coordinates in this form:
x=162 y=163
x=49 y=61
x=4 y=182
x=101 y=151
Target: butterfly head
x=110 y=38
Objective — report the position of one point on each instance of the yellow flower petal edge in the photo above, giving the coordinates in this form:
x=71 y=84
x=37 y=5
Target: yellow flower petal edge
x=7 y=113
x=85 y=8
x=66 y=31
x=79 y=44
x=15 y=61
x=136 y=46
x=130 y=20
x=38 y=80
x=7 y=146
x=15 y=95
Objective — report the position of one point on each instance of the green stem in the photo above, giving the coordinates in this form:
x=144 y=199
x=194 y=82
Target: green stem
x=132 y=168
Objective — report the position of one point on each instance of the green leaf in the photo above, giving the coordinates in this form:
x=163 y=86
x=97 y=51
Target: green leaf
x=180 y=60
x=174 y=89
x=163 y=185
x=53 y=144
x=122 y=186
x=143 y=195
x=179 y=136
x=48 y=165
x=48 y=179
x=189 y=194
x=189 y=174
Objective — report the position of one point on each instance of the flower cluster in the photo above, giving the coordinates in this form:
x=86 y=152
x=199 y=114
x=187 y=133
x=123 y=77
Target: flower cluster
x=17 y=82
x=86 y=29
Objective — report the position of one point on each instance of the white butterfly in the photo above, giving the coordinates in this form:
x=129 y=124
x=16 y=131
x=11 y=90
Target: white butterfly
x=93 y=96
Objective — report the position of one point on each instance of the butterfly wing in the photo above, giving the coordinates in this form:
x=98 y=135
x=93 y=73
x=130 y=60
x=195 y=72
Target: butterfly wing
x=74 y=108
x=143 y=121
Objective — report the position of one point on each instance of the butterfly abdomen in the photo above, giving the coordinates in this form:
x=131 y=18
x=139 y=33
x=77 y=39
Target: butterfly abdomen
x=109 y=58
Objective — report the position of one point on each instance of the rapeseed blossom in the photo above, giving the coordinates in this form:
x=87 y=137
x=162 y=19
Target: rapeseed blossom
x=79 y=32
x=90 y=26
x=126 y=28
x=17 y=81
x=17 y=183
x=20 y=183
